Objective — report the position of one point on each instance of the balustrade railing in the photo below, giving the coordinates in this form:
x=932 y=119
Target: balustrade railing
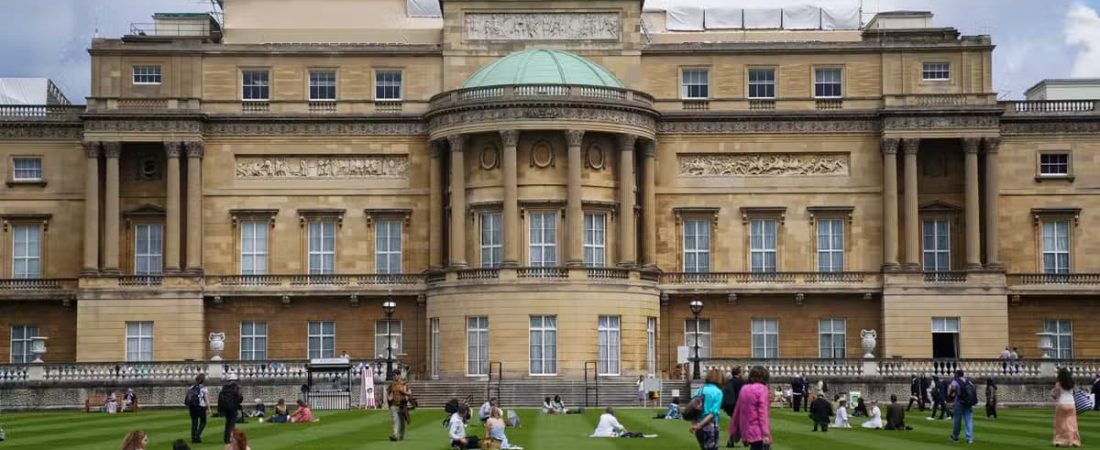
x=36 y=284
x=945 y=277
x=169 y=371
x=976 y=368
x=607 y=273
x=905 y=368
x=1053 y=278
x=765 y=277
x=460 y=96
x=478 y=274
x=791 y=367
x=542 y=272
x=140 y=280
x=1051 y=106
x=40 y=112
x=375 y=279
x=13 y=373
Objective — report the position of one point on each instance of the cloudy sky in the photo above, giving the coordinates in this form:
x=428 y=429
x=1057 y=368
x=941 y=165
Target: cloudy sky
x=1035 y=39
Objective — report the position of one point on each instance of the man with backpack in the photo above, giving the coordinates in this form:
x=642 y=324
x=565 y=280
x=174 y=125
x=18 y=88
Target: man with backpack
x=965 y=396
x=197 y=404
x=229 y=405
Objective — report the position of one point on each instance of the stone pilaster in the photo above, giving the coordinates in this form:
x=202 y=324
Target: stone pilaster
x=111 y=151
x=510 y=237
x=649 y=205
x=910 y=147
x=91 y=208
x=172 y=150
x=971 y=146
x=574 y=211
x=992 y=210
x=195 y=151
x=627 y=242
x=890 y=204
x=458 y=201
x=435 y=210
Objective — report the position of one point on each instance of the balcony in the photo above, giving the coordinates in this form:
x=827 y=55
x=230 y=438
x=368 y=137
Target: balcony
x=1052 y=107
x=463 y=97
x=939 y=101
x=771 y=282
x=1053 y=283
x=537 y=275
x=268 y=285
x=37 y=288
x=43 y=113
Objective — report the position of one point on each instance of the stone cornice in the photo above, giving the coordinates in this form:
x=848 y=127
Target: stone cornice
x=1050 y=125
x=746 y=123
x=115 y=47
x=357 y=126
x=41 y=130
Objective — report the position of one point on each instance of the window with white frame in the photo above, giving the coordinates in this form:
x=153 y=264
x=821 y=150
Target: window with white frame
x=387 y=246
x=253 y=341
x=830 y=338
x=1056 y=246
x=148 y=249
x=651 y=345
x=936 y=71
x=254 y=247
x=1053 y=164
x=544 y=345
x=147 y=74
x=945 y=337
x=695 y=84
x=697 y=246
x=21 y=337
x=477 y=345
x=391 y=330
x=828 y=83
x=26 y=252
x=435 y=347
x=491 y=250
x=765 y=338
x=322 y=85
x=322 y=248
x=26 y=168
x=937 y=245
x=830 y=245
x=321 y=339
x=595 y=239
x=1061 y=333
x=762 y=245
x=762 y=83
x=608 y=342
x=543 y=238
x=702 y=333
x=387 y=85
x=255 y=86
x=139 y=341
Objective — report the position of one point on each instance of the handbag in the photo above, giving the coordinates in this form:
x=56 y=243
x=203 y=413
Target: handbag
x=1082 y=401
x=694 y=408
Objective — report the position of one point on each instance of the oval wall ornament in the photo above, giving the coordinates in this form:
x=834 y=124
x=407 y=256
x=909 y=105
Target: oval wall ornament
x=594 y=156
x=490 y=157
x=542 y=154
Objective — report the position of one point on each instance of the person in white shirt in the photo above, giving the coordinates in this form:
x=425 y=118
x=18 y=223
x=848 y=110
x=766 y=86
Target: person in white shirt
x=609 y=426
x=842 y=416
x=875 y=421
x=486 y=409
x=457 y=428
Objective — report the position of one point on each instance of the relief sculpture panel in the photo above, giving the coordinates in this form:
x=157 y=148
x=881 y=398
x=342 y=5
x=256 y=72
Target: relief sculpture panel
x=542 y=26
x=322 y=167
x=763 y=164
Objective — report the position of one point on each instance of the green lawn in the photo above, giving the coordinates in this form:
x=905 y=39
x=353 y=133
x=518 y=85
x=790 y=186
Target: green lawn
x=1017 y=429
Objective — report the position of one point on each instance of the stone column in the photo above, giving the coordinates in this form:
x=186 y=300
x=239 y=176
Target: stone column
x=912 y=208
x=458 y=201
x=91 y=208
x=649 y=205
x=435 y=209
x=111 y=150
x=510 y=210
x=973 y=205
x=992 y=196
x=194 y=206
x=574 y=212
x=890 y=204
x=627 y=243
x=172 y=215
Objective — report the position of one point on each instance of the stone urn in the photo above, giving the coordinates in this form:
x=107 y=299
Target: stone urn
x=870 y=341
x=1046 y=344
x=38 y=348
x=217 y=345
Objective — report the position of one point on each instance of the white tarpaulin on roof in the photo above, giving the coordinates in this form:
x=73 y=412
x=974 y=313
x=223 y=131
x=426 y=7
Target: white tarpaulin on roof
x=684 y=18
x=699 y=15
x=763 y=18
x=24 y=91
x=424 y=8
x=840 y=19
x=803 y=17
x=722 y=17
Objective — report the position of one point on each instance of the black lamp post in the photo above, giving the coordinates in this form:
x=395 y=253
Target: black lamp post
x=696 y=309
x=388 y=307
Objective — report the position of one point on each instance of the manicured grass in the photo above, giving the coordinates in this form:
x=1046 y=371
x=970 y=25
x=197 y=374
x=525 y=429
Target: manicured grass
x=1017 y=429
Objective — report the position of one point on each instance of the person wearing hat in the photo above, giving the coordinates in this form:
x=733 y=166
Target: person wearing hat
x=229 y=404
x=260 y=410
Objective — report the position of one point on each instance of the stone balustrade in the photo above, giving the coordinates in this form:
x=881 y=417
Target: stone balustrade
x=1051 y=107
x=543 y=91
x=1053 y=278
x=40 y=112
x=82 y=372
x=174 y=372
x=907 y=367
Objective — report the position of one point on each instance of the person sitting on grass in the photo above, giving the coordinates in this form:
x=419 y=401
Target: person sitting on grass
x=842 y=416
x=547 y=406
x=559 y=406
x=304 y=414
x=821 y=411
x=609 y=426
x=673 y=412
x=135 y=440
x=860 y=409
x=495 y=424
x=895 y=416
x=111 y=405
x=875 y=421
x=129 y=401
x=456 y=430
x=280 y=415
x=259 y=410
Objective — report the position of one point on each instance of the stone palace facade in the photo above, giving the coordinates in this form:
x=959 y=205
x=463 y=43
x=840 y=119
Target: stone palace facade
x=547 y=186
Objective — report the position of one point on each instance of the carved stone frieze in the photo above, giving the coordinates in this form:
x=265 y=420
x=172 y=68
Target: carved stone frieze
x=543 y=26
x=315 y=128
x=769 y=126
x=934 y=122
x=1051 y=127
x=143 y=125
x=322 y=167
x=763 y=164
x=564 y=113
x=24 y=130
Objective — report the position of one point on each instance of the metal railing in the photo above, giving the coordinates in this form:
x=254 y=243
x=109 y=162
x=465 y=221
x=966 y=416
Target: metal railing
x=550 y=90
x=175 y=29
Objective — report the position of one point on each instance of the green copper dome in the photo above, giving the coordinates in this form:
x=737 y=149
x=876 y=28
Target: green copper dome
x=541 y=66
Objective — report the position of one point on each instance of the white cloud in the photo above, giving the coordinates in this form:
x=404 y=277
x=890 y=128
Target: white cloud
x=1083 y=31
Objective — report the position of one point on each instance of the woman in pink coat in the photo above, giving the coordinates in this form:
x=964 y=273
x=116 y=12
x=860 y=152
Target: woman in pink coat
x=750 y=419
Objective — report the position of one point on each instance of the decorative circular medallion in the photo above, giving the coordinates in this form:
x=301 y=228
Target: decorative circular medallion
x=595 y=156
x=490 y=157
x=542 y=154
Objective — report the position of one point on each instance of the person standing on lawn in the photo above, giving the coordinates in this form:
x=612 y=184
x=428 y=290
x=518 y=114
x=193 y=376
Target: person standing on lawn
x=197 y=405
x=229 y=405
x=399 y=406
x=1066 y=433
x=799 y=391
x=1096 y=392
x=938 y=398
x=730 y=391
x=750 y=419
x=963 y=396
x=990 y=399
x=821 y=412
x=705 y=427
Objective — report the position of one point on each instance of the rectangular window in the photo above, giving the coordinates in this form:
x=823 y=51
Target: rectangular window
x=387 y=246
x=543 y=235
x=477 y=345
x=937 y=246
x=765 y=338
x=26 y=169
x=322 y=85
x=1053 y=164
x=1061 y=332
x=762 y=241
x=26 y=256
x=139 y=341
x=830 y=337
x=595 y=238
x=830 y=245
x=255 y=86
x=148 y=249
x=253 y=341
x=945 y=337
x=695 y=84
x=703 y=334
x=827 y=83
x=697 y=246
x=491 y=251
x=435 y=348
x=544 y=345
x=936 y=71
x=387 y=85
x=322 y=248
x=651 y=345
x=761 y=83
x=322 y=339
x=254 y=247
x=945 y=324
x=390 y=329
x=1056 y=246
x=608 y=340
x=146 y=74
x=21 y=343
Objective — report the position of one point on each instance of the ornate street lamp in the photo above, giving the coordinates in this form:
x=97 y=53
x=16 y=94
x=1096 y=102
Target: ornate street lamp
x=388 y=307
x=696 y=309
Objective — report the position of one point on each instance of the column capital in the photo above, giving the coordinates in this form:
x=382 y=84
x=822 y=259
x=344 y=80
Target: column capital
x=194 y=149
x=435 y=149
x=649 y=148
x=173 y=149
x=890 y=145
x=91 y=149
x=111 y=150
x=910 y=146
x=971 y=145
x=626 y=141
x=457 y=141
x=509 y=138
x=992 y=144
x=574 y=137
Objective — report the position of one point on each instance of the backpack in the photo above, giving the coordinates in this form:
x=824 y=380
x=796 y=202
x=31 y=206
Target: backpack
x=229 y=399
x=694 y=408
x=968 y=394
x=191 y=400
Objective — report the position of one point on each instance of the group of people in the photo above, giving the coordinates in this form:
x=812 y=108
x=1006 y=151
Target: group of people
x=492 y=419
x=112 y=404
x=138 y=440
x=230 y=407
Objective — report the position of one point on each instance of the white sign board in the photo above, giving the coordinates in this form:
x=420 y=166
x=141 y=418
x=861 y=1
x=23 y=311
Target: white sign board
x=682 y=354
